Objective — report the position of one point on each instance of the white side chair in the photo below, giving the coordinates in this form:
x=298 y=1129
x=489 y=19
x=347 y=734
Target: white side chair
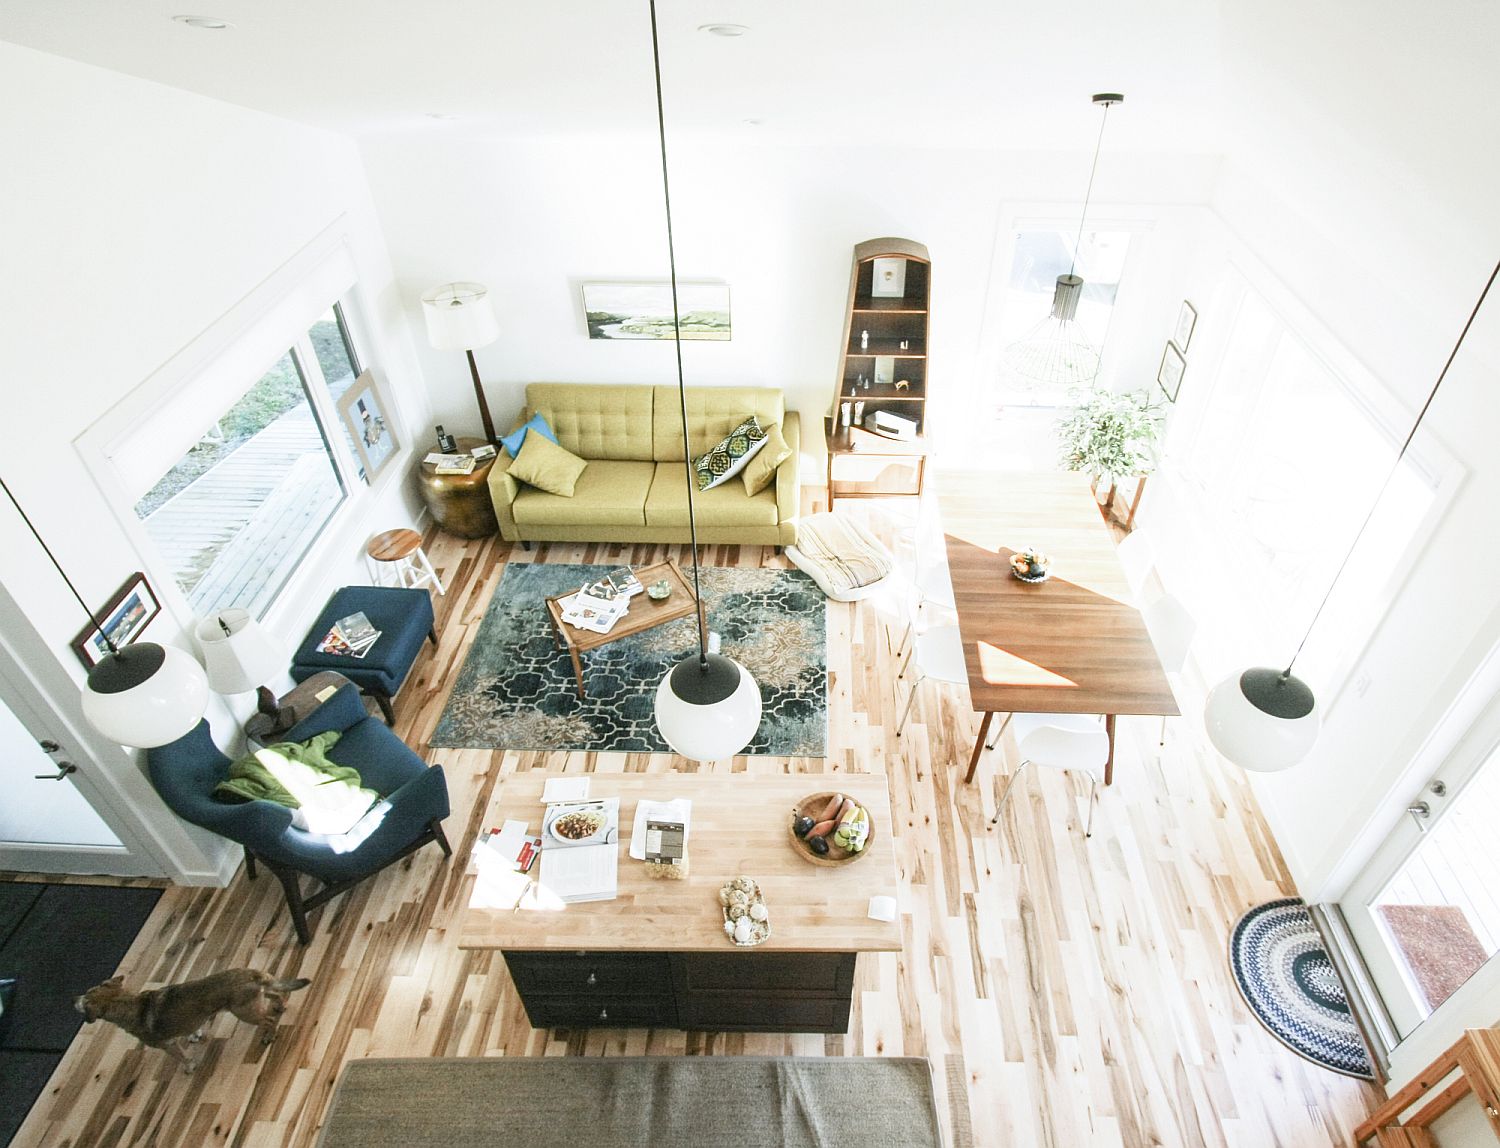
x=1136 y=558
x=1172 y=630
x=938 y=654
x=1060 y=741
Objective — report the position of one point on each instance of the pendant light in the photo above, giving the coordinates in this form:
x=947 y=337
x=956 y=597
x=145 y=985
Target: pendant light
x=708 y=705
x=1057 y=352
x=1267 y=720
x=141 y=695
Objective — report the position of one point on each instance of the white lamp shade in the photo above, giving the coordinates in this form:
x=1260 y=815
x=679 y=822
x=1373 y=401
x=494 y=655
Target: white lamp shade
x=460 y=317
x=155 y=711
x=1250 y=736
x=243 y=658
x=709 y=732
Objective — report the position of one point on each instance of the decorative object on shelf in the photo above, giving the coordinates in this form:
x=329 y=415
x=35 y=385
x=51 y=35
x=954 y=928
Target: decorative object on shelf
x=831 y=828
x=141 y=695
x=1030 y=565
x=1057 y=352
x=460 y=317
x=1187 y=319
x=239 y=657
x=1169 y=374
x=131 y=609
x=1110 y=435
x=699 y=311
x=1267 y=720
x=363 y=410
x=707 y=706
x=746 y=919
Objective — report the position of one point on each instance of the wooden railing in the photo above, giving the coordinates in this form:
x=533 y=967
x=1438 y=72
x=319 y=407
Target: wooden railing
x=1477 y=1058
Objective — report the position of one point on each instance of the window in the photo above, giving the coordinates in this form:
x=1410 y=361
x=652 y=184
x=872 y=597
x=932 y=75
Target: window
x=235 y=514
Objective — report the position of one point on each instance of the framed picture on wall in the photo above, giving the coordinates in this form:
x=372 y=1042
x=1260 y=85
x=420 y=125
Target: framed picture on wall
x=644 y=310
x=1187 y=319
x=366 y=417
x=1169 y=374
x=128 y=612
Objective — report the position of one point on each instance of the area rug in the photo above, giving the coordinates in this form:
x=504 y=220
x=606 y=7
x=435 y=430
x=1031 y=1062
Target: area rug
x=517 y=690
x=1285 y=976
x=632 y=1101
x=1438 y=946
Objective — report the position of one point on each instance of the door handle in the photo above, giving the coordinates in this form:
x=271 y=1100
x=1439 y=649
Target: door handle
x=63 y=769
x=1420 y=812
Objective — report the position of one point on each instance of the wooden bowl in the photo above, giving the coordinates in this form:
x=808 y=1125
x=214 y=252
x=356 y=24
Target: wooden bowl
x=811 y=806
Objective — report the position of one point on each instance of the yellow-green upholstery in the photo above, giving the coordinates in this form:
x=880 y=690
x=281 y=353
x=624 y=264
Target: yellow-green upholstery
x=623 y=495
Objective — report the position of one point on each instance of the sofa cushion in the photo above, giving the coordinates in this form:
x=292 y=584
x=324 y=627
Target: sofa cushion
x=712 y=413
x=512 y=442
x=608 y=493
x=547 y=466
x=729 y=456
x=599 y=420
x=726 y=505
x=760 y=471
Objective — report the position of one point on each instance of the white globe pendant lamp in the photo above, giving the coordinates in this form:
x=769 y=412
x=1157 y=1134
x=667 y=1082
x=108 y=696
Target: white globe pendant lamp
x=1267 y=720
x=708 y=705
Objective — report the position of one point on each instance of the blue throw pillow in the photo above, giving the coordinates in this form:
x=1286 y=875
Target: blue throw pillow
x=512 y=442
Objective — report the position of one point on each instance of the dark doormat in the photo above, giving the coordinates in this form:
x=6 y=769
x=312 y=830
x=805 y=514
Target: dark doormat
x=56 y=941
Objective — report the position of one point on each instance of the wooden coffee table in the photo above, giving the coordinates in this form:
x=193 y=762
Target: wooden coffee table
x=644 y=613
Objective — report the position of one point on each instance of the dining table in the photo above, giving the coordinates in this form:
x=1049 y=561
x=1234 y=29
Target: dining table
x=1074 y=643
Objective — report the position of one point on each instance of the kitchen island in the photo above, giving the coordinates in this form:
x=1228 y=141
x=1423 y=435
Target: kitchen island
x=657 y=955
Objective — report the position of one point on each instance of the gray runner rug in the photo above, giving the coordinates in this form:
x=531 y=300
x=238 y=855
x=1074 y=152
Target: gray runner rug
x=633 y=1102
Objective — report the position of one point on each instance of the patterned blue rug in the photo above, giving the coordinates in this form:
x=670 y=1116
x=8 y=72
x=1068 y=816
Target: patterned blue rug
x=517 y=690
x=1285 y=976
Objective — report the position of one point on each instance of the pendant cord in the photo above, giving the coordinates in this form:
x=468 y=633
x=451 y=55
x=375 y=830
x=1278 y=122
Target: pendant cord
x=1391 y=474
x=687 y=451
x=1089 y=191
x=68 y=581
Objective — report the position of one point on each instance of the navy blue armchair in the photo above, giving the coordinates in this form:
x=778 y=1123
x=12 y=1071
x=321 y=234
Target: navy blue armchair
x=185 y=772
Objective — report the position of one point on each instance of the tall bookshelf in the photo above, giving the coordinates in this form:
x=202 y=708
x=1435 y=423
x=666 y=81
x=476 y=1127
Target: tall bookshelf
x=882 y=368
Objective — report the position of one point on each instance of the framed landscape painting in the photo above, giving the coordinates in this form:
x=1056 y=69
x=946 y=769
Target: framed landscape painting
x=644 y=310
x=129 y=612
x=363 y=410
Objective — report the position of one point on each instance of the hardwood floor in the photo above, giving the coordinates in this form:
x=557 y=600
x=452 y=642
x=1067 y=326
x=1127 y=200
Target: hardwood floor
x=1067 y=991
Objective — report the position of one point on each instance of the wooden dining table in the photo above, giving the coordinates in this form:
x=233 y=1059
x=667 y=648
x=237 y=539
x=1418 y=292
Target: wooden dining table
x=1073 y=644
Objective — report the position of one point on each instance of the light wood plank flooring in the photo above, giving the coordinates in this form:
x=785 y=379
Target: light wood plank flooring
x=1067 y=991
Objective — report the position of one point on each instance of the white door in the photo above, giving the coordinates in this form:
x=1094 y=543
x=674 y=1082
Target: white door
x=1425 y=911
x=52 y=819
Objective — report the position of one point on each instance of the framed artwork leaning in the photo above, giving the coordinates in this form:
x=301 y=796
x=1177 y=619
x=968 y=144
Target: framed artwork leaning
x=129 y=611
x=366 y=416
x=1169 y=374
x=1187 y=319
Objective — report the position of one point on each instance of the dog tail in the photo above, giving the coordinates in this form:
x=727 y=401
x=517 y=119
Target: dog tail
x=291 y=986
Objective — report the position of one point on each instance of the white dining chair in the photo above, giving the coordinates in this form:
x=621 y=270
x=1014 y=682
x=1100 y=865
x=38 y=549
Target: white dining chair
x=1060 y=741
x=1172 y=630
x=1136 y=558
x=938 y=654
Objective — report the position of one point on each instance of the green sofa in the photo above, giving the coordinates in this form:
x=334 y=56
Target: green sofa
x=635 y=486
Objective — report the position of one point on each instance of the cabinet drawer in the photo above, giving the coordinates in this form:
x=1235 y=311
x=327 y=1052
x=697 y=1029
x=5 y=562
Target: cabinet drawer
x=721 y=1012
x=825 y=973
x=548 y=1011
x=590 y=973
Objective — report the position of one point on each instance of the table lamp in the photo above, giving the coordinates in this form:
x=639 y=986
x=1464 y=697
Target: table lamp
x=461 y=318
x=239 y=657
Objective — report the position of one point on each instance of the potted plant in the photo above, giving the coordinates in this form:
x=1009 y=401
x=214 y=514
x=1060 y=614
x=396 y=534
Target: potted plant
x=1110 y=436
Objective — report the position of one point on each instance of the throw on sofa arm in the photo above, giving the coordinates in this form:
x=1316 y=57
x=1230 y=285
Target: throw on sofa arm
x=788 y=486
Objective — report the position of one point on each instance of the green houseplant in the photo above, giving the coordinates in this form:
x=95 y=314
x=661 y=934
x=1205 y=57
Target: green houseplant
x=1110 y=436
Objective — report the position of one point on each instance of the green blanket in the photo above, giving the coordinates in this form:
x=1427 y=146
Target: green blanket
x=250 y=779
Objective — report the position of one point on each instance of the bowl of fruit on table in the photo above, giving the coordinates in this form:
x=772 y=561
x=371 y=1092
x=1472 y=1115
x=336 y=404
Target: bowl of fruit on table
x=831 y=828
x=1030 y=565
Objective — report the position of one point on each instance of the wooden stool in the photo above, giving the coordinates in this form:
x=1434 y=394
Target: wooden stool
x=400 y=551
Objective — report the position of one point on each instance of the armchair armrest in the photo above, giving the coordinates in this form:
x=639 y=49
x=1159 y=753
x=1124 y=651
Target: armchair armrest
x=788 y=485
x=503 y=491
x=340 y=712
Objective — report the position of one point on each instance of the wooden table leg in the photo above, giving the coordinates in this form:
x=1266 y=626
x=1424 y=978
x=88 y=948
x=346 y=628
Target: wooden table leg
x=984 y=729
x=1109 y=762
x=578 y=668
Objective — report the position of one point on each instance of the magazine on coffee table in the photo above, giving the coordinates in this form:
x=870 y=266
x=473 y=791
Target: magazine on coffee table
x=588 y=612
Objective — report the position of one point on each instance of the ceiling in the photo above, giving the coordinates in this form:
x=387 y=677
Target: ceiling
x=954 y=73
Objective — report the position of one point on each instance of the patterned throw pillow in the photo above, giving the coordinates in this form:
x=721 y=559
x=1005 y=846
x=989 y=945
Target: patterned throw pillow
x=728 y=458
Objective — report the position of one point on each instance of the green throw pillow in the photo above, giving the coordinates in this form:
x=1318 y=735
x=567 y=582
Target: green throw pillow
x=547 y=466
x=760 y=471
x=728 y=458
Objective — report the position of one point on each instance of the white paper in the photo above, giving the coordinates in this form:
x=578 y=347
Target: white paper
x=587 y=874
x=679 y=810
x=509 y=842
x=565 y=789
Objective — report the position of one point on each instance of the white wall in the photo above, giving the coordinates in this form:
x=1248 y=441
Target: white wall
x=135 y=218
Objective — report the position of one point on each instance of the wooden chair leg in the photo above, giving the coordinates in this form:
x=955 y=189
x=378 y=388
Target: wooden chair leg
x=291 y=886
x=249 y=864
x=440 y=837
x=432 y=636
x=385 y=706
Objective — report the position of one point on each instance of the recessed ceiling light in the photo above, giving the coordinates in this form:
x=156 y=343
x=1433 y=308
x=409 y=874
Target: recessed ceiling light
x=440 y=115
x=212 y=22
x=723 y=29
x=752 y=122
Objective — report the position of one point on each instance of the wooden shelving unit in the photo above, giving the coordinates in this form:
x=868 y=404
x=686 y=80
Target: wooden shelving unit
x=1476 y=1057
x=882 y=367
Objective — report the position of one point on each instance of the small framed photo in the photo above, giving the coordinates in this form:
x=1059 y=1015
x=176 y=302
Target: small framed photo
x=1169 y=374
x=366 y=416
x=1187 y=319
x=129 y=612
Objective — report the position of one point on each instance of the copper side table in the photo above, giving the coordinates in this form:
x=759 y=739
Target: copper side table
x=460 y=503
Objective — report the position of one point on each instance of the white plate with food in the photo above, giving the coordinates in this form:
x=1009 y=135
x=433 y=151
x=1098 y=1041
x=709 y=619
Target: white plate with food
x=579 y=826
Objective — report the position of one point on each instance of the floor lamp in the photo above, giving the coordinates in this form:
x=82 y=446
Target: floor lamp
x=708 y=705
x=460 y=318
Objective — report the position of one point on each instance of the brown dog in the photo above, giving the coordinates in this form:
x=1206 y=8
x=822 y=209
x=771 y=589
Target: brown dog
x=163 y=1017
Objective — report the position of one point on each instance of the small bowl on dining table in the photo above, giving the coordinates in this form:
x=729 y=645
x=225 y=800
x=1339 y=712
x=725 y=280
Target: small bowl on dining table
x=1030 y=566
x=659 y=590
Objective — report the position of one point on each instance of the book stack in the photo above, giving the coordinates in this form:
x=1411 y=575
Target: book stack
x=600 y=604
x=451 y=463
x=350 y=637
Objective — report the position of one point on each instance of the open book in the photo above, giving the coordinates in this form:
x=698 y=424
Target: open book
x=581 y=849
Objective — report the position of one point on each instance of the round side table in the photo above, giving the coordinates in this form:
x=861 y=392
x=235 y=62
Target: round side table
x=460 y=503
